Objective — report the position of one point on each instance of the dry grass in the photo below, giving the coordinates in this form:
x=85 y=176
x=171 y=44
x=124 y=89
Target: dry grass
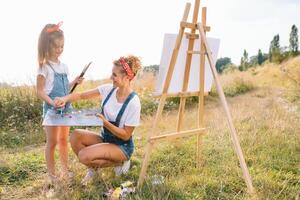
x=268 y=125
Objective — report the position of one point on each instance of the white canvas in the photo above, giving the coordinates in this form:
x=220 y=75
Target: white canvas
x=178 y=74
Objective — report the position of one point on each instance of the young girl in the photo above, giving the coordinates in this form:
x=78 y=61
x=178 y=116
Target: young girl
x=120 y=115
x=52 y=81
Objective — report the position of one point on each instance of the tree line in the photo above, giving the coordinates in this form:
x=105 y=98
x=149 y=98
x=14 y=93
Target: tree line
x=276 y=54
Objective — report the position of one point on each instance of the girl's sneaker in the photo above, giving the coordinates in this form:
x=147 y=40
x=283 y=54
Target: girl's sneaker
x=122 y=169
x=51 y=180
x=49 y=188
x=67 y=176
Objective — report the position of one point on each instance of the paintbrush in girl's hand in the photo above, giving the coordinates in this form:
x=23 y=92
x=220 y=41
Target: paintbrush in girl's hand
x=80 y=76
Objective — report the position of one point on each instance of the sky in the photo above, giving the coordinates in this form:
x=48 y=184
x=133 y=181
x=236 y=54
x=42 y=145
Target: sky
x=102 y=31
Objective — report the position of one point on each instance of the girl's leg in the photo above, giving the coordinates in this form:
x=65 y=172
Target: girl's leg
x=101 y=155
x=82 y=138
x=62 y=140
x=51 y=136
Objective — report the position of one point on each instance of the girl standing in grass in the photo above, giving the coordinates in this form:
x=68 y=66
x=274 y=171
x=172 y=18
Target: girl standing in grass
x=52 y=81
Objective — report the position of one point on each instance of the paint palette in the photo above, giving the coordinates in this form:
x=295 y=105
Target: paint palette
x=73 y=117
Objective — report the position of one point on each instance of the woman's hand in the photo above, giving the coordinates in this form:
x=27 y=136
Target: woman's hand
x=122 y=133
x=59 y=102
x=101 y=117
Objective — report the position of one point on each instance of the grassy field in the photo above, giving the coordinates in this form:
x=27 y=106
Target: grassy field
x=265 y=105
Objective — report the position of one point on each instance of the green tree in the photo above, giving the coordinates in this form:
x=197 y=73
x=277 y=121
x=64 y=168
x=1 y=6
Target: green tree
x=222 y=63
x=151 y=68
x=253 y=61
x=244 y=65
x=276 y=41
x=270 y=52
x=274 y=50
x=294 y=41
x=260 y=57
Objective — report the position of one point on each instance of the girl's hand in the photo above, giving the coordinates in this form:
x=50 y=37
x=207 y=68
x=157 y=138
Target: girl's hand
x=53 y=103
x=78 y=80
x=59 y=102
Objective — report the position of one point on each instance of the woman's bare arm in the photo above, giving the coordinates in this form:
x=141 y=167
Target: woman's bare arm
x=90 y=94
x=122 y=133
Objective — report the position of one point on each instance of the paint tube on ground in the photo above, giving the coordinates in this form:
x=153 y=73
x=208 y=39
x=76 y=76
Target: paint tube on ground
x=116 y=194
x=126 y=191
x=126 y=184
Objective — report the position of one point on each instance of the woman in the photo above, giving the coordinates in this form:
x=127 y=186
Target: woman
x=120 y=115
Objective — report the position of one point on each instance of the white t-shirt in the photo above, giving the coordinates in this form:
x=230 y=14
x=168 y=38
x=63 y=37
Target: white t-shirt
x=48 y=73
x=131 y=115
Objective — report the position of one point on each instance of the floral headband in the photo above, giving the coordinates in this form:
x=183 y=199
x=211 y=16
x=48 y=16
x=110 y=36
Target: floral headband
x=126 y=67
x=55 y=28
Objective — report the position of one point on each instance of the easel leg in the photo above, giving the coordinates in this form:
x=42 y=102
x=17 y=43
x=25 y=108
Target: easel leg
x=201 y=95
x=151 y=143
x=145 y=163
x=180 y=113
x=227 y=112
x=199 y=149
x=188 y=63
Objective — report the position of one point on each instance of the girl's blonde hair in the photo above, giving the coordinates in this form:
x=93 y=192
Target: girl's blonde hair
x=134 y=63
x=46 y=39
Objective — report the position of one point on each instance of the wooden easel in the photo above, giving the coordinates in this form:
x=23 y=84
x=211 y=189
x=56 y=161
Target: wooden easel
x=205 y=50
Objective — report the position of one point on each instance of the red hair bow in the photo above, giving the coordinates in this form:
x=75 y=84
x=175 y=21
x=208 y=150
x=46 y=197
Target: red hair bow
x=126 y=67
x=55 y=28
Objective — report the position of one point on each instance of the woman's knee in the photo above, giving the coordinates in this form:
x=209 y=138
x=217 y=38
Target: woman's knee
x=83 y=157
x=75 y=137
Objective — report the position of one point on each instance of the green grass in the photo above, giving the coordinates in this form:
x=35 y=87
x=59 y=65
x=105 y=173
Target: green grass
x=21 y=168
x=272 y=162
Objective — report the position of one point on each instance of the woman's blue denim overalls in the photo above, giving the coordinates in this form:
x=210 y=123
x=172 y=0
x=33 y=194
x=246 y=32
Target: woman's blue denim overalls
x=107 y=137
x=60 y=88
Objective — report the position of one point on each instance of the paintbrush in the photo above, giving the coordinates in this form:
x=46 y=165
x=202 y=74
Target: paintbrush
x=80 y=76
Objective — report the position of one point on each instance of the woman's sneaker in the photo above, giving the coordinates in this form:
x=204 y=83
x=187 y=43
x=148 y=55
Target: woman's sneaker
x=122 y=169
x=88 y=177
